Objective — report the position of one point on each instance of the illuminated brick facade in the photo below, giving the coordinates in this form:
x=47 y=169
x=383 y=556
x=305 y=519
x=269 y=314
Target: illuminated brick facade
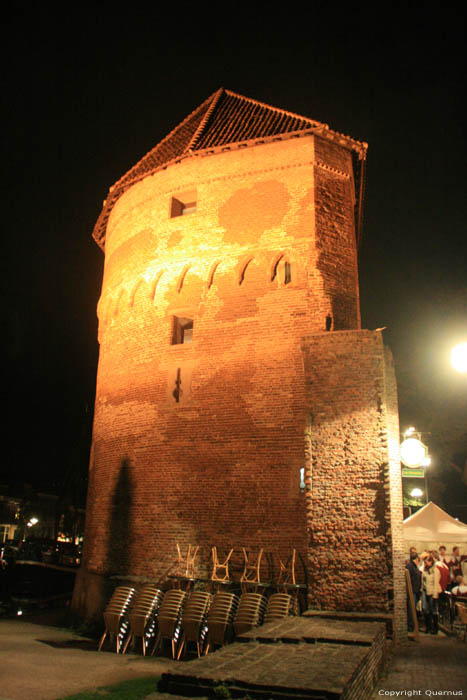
x=232 y=357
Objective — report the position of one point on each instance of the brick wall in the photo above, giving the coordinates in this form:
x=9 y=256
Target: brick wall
x=353 y=479
x=203 y=443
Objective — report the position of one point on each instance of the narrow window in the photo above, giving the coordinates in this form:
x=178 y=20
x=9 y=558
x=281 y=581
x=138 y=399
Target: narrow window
x=177 y=392
x=183 y=204
x=182 y=330
x=282 y=271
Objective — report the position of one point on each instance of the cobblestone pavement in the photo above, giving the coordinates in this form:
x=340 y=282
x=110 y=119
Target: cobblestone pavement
x=436 y=663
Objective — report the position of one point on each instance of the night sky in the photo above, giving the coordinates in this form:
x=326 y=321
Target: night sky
x=87 y=94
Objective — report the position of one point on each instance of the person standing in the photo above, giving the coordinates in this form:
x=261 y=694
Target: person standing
x=442 y=552
x=431 y=589
x=416 y=581
x=444 y=572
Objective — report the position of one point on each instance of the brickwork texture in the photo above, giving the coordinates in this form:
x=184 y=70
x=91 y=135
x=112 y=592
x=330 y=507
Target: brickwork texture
x=202 y=442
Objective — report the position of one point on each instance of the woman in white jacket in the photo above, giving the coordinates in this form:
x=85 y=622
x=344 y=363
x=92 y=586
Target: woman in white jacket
x=431 y=588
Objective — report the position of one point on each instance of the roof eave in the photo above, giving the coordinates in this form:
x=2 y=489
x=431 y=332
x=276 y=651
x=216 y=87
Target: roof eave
x=322 y=130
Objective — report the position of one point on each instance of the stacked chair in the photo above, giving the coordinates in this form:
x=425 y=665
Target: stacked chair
x=169 y=619
x=220 y=619
x=116 y=615
x=194 y=626
x=279 y=605
x=250 y=612
x=143 y=616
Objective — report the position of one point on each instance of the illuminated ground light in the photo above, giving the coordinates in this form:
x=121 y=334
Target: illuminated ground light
x=459 y=357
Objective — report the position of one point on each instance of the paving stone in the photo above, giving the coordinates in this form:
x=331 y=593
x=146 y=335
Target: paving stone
x=436 y=663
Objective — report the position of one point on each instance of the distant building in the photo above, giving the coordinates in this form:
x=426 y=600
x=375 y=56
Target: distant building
x=238 y=402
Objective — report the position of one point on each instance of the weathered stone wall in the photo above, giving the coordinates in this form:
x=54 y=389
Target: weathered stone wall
x=353 y=488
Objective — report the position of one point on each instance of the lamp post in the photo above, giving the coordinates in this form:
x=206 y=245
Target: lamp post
x=415 y=459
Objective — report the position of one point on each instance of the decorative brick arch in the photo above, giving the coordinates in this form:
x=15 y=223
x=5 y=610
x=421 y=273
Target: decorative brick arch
x=212 y=272
x=131 y=300
x=283 y=269
x=181 y=279
x=154 y=285
x=242 y=267
x=120 y=301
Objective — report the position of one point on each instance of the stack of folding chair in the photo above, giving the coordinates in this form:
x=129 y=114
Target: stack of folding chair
x=279 y=605
x=169 y=619
x=220 y=619
x=116 y=615
x=143 y=616
x=194 y=621
x=250 y=612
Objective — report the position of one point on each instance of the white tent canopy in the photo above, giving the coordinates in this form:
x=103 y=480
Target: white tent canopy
x=431 y=525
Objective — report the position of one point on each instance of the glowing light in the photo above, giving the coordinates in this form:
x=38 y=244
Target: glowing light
x=459 y=357
x=409 y=431
x=413 y=452
x=19 y=612
x=426 y=461
x=416 y=493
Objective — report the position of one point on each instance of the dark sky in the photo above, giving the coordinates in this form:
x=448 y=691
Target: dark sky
x=86 y=94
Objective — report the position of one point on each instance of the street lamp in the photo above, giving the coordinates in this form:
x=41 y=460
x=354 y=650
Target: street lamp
x=413 y=452
x=459 y=358
x=415 y=459
x=416 y=493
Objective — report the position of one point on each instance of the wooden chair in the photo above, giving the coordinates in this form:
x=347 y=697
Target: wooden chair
x=194 y=621
x=143 y=616
x=116 y=615
x=251 y=569
x=220 y=570
x=220 y=619
x=168 y=619
x=250 y=612
x=279 y=605
x=186 y=564
x=287 y=570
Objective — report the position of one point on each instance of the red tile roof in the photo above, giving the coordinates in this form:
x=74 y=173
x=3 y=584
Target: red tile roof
x=224 y=119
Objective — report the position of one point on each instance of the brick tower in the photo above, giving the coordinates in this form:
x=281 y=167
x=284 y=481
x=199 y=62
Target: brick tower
x=238 y=402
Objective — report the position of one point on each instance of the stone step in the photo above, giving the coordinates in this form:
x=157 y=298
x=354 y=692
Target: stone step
x=304 y=658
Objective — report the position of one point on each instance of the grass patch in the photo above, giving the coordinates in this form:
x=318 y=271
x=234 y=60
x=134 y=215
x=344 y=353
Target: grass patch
x=136 y=689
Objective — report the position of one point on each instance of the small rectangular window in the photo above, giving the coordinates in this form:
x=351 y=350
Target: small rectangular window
x=182 y=330
x=183 y=204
